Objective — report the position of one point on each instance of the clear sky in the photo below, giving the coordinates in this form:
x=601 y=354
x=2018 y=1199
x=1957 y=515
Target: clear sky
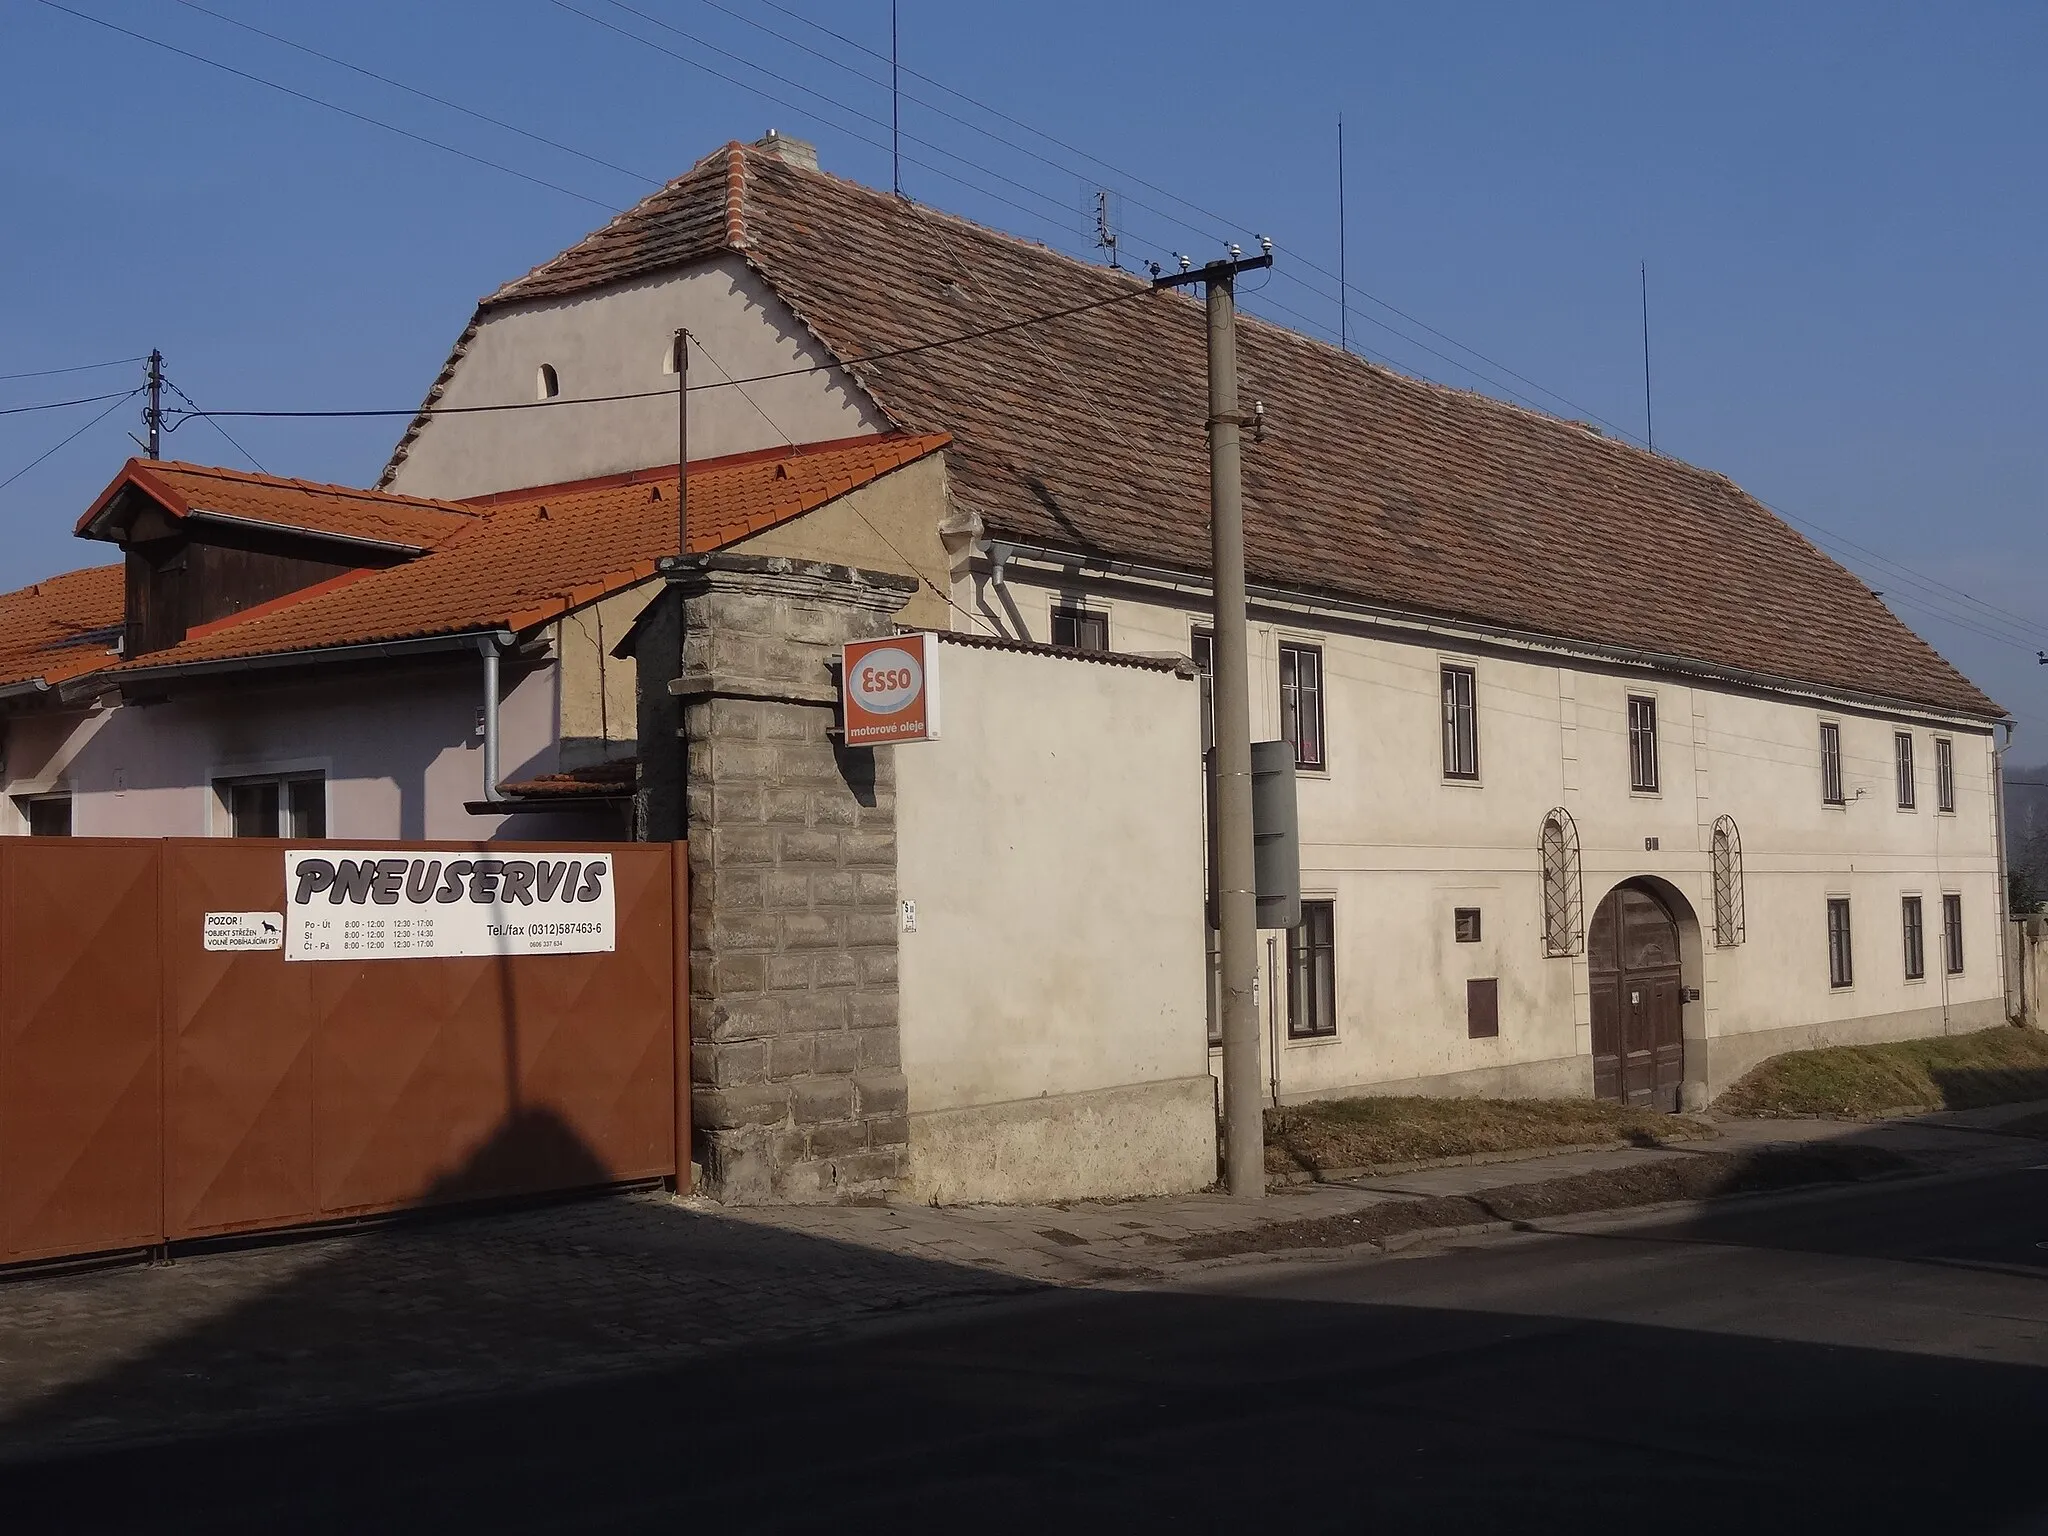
x=1841 y=208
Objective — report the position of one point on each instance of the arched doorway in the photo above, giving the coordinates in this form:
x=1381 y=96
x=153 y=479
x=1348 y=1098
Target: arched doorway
x=1638 y=986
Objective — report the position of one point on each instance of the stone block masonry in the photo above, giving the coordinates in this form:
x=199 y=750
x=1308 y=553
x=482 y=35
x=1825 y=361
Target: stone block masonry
x=798 y=1091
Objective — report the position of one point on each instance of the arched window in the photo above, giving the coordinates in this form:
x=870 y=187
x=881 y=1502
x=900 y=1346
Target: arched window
x=550 y=383
x=1727 y=882
x=1564 y=926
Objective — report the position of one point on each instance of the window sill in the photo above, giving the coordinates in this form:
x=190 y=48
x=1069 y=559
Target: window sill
x=1645 y=794
x=1450 y=783
x=1293 y=1040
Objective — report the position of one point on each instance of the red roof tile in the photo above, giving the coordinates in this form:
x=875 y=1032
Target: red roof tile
x=524 y=558
x=304 y=506
x=1087 y=434
x=61 y=627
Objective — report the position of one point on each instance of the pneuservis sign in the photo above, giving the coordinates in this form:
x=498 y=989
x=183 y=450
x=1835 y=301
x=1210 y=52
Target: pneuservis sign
x=370 y=904
x=889 y=690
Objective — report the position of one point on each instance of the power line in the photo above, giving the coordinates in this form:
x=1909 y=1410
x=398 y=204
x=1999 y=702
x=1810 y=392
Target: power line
x=44 y=373
x=54 y=405
x=410 y=90
x=71 y=438
x=223 y=431
x=404 y=133
x=669 y=394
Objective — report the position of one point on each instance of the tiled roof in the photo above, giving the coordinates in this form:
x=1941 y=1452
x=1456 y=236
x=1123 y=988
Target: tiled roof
x=596 y=781
x=61 y=627
x=304 y=506
x=1087 y=434
x=526 y=557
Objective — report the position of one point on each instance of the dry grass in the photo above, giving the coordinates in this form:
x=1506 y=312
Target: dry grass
x=2001 y=1065
x=1372 y=1133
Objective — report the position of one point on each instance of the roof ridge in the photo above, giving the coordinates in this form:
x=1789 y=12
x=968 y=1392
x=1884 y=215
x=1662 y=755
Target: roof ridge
x=317 y=487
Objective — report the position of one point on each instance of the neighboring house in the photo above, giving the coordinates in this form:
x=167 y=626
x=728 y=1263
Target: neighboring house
x=1610 y=782
x=277 y=658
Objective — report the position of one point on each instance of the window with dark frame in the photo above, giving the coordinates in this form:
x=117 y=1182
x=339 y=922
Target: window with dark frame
x=1912 y=923
x=1952 y=933
x=284 y=805
x=1312 y=973
x=1465 y=925
x=1944 y=774
x=1461 y=723
x=1482 y=1008
x=1301 y=702
x=1080 y=629
x=48 y=815
x=1902 y=757
x=1202 y=651
x=1830 y=763
x=1841 y=960
x=1642 y=744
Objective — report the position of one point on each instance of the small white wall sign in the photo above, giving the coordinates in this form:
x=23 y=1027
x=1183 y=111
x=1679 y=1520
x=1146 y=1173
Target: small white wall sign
x=909 y=916
x=243 y=930
x=377 y=904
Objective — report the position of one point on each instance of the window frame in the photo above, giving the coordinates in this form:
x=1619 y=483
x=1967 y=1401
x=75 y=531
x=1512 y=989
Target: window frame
x=1312 y=958
x=1642 y=747
x=1202 y=652
x=1952 y=933
x=1449 y=709
x=1944 y=776
x=1081 y=615
x=1842 y=954
x=1291 y=701
x=1904 y=787
x=1478 y=926
x=1913 y=934
x=1833 y=790
x=26 y=805
x=223 y=785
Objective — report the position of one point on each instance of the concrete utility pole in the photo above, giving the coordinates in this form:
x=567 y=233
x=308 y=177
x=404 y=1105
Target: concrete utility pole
x=1244 y=1139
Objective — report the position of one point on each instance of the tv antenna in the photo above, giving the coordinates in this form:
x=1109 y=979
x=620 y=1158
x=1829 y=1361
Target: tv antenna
x=1108 y=211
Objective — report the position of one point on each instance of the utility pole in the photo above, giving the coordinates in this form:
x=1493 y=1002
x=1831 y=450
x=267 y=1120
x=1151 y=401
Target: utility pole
x=1649 y=419
x=682 y=346
x=1244 y=1139
x=895 y=111
x=153 y=414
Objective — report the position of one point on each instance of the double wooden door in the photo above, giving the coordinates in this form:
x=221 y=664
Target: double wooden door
x=1638 y=999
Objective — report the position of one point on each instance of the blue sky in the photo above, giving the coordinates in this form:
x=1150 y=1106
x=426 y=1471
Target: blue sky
x=1841 y=208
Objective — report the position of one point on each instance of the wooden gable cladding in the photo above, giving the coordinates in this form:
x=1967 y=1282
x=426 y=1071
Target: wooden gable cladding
x=204 y=572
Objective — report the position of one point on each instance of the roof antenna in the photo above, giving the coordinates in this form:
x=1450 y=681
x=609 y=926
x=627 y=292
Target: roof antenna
x=1343 y=286
x=895 y=111
x=1105 y=223
x=1649 y=421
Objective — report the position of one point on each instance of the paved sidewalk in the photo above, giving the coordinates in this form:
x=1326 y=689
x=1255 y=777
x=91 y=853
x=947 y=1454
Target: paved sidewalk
x=491 y=1304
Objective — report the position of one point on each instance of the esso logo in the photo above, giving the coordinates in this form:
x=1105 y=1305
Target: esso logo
x=886 y=680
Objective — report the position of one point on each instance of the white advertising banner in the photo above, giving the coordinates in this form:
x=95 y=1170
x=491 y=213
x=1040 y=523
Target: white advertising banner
x=370 y=904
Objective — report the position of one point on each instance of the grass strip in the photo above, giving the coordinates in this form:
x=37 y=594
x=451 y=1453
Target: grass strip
x=2000 y=1065
x=1692 y=1176
x=1378 y=1132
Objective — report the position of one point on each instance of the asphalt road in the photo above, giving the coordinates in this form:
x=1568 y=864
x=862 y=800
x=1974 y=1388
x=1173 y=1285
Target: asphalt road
x=1875 y=1360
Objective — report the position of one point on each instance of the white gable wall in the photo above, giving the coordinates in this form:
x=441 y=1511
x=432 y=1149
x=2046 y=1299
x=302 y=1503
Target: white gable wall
x=615 y=342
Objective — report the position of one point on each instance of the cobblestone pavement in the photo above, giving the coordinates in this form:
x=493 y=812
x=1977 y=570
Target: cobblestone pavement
x=499 y=1303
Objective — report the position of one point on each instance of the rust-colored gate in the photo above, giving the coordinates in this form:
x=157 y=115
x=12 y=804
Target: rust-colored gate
x=153 y=1090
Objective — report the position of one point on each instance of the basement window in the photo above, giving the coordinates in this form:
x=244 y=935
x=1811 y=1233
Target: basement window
x=293 y=805
x=549 y=384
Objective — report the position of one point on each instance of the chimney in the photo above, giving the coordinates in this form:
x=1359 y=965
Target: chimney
x=797 y=152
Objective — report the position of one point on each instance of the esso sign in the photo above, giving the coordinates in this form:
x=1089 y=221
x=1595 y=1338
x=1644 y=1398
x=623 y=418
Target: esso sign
x=888 y=680
x=889 y=690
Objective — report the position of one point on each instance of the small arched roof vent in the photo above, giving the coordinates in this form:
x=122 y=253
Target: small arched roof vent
x=549 y=383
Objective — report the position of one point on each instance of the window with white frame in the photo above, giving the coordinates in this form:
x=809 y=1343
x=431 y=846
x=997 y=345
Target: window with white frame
x=1642 y=744
x=45 y=815
x=1902 y=762
x=1831 y=763
x=1944 y=774
x=1312 y=972
x=1080 y=629
x=1301 y=702
x=274 y=805
x=1913 y=928
x=1952 y=933
x=1841 y=956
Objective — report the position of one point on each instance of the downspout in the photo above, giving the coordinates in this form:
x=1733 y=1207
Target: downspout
x=490 y=646
x=2004 y=878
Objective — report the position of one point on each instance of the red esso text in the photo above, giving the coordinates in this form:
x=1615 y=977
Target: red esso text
x=887 y=680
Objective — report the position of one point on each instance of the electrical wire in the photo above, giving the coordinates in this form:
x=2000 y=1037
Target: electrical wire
x=55 y=405
x=44 y=373
x=72 y=437
x=223 y=431
x=404 y=133
x=758 y=378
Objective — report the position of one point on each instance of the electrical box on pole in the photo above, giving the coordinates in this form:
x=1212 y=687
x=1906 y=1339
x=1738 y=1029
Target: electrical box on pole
x=1276 y=835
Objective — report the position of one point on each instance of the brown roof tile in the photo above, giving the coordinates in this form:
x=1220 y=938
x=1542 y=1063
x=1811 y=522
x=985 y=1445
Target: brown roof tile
x=304 y=506
x=1087 y=434
x=61 y=627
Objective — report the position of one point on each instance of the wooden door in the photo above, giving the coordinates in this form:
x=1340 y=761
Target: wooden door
x=1637 y=1000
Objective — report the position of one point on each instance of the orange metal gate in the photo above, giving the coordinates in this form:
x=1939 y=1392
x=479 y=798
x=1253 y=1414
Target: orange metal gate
x=153 y=1090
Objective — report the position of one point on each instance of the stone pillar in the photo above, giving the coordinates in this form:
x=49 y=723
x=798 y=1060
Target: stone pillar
x=798 y=1091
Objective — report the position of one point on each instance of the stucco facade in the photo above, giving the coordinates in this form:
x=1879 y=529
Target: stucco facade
x=1399 y=847
x=1049 y=845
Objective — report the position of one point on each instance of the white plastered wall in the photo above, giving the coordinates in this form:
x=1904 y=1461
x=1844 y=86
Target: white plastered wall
x=1052 y=1015
x=1399 y=847
x=615 y=342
